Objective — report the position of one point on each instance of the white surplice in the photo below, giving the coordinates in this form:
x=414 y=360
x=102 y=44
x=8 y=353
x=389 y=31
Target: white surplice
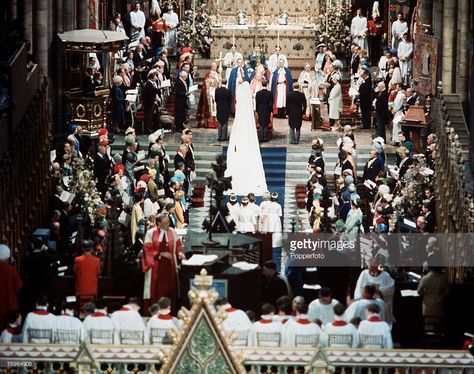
x=39 y=320
x=384 y=282
x=137 y=29
x=405 y=49
x=357 y=309
x=99 y=321
x=398 y=29
x=163 y=321
x=301 y=326
x=70 y=323
x=323 y=312
x=359 y=32
x=265 y=325
x=237 y=320
x=340 y=327
x=126 y=319
x=375 y=327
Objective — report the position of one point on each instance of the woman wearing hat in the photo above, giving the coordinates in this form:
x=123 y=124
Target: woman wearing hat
x=118 y=102
x=354 y=219
x=152 y=187
x=335 y=102
x=179 y=209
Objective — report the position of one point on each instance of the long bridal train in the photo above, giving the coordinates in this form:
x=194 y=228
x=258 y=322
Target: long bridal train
x=244 y=161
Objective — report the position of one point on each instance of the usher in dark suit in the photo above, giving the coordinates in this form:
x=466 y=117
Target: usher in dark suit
x=264 y=108
x=295 y=108
x=181 y=91
x=223 y=99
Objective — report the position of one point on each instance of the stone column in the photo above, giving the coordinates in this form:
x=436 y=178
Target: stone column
x=59 y=16
x=28 y=22
x=58 y=58
x=13 y=9
x=425 y=13
x=462 y=76
x=82 y=14
x=437 y=18
x=448 y=45
x=40 y=45
x=69 y=15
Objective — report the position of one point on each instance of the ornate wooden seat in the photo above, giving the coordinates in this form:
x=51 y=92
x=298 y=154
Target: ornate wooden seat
x=306 y=340
x=268 y=339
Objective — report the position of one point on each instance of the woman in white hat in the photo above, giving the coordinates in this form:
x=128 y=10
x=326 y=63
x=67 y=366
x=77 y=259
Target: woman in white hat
x=335 y=102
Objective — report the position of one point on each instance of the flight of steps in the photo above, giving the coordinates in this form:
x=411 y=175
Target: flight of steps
x=205 y=156
x=296 y=173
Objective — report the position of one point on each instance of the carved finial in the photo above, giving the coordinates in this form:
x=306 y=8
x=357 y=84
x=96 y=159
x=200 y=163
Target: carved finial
x=203 y=281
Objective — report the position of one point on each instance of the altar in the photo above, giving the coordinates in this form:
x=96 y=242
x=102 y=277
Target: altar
x=246 y=23
x=296 y=42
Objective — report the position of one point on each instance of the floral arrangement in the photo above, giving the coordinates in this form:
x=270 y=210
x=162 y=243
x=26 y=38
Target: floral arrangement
x=195 y=30
x=334 y=27
x=409 y=200
x=83 y=186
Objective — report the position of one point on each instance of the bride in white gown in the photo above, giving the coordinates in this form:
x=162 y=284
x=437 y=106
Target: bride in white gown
x=244 y=161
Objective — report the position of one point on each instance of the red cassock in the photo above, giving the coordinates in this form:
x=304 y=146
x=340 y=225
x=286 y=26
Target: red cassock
x=203 y=114
x=164 y=276
x=11 y=283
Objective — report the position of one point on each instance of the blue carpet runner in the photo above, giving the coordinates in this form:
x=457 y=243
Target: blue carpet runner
x=274 y=164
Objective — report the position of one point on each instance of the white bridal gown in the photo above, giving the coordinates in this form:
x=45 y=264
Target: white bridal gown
x=244 y=161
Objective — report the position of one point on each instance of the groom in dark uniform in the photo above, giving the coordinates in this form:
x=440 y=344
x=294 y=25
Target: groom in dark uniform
x=264 y=108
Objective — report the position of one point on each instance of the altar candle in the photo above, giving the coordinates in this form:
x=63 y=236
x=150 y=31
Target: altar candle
x=278 y=36
x=233 y=36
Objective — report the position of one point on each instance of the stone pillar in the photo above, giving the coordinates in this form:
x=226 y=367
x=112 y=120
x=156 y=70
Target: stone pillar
x=40 y=45
x=59 y=16
x=425 y=13
x=69 y=15
x=59 y=62
x=462 y=76
x=28 y=22
x=82 y=14
x=437 y=18
x=13 y=9
x=448 y=45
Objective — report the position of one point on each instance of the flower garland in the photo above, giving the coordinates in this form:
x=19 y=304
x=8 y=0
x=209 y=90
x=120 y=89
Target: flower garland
x=83 y=186
x=334 y=27
x=409 y=200
x=195 y=30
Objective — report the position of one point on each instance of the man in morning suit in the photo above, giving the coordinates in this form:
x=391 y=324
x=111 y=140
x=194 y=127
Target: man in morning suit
x=264 y=108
